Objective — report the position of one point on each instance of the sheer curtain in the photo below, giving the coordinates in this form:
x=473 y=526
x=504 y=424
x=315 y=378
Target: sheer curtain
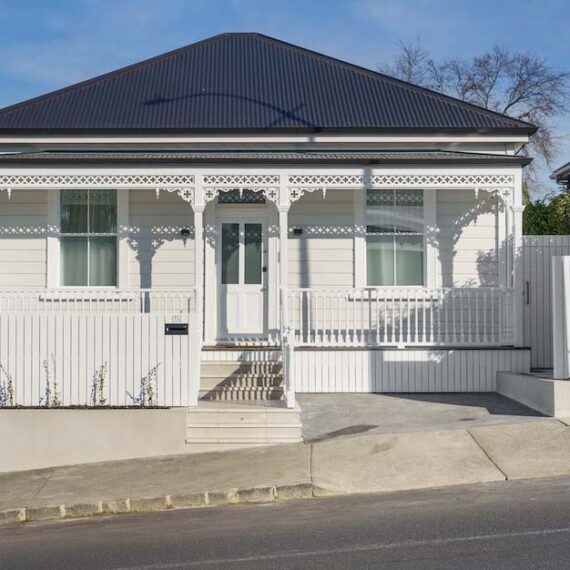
x=88 y=242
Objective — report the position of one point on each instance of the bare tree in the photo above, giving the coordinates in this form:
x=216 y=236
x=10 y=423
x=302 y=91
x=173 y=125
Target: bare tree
x=521 y=85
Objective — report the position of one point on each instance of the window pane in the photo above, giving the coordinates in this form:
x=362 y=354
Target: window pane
x=103 y=211
x=253 y=243
x=102 y=261
x=230 y=254
x=73 y=209
x=409 y=260
x=380 y=211
x=409 y=211
x=380 y=261
x=74 y=261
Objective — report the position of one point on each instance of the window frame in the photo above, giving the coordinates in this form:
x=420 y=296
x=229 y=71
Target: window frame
x=53 y=275
x=429 y=245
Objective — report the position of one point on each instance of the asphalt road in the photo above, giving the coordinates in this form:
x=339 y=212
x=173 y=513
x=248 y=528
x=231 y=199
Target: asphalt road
x=517 y=525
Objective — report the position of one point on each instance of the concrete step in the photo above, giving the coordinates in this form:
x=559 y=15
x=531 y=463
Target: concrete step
x=212 y=426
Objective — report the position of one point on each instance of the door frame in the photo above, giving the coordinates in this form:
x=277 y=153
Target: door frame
x=242 y=219
x=214 y=215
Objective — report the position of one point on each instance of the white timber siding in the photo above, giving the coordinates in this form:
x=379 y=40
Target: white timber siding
x=467 y=239
x=410 y=370
x=537 y=255
x=324 y=254
x=158 y=255
x=23 y=231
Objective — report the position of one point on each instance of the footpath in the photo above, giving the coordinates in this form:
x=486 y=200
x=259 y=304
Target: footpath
x=369 y=463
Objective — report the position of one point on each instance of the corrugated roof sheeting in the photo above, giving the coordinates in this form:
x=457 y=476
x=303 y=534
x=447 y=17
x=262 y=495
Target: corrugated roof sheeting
x=248 y=81
x=253 y=157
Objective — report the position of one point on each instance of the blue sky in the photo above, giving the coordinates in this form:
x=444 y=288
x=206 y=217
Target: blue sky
x=46 y=44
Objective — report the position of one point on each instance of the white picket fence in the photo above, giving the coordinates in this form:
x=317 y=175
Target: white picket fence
x=106 y=345
x=537 y=254
x=478 y=316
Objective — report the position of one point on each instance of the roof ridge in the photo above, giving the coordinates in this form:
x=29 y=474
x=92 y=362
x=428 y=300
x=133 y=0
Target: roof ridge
x=406 y=84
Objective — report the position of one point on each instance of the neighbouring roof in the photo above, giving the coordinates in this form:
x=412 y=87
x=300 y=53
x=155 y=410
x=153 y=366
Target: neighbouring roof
x=562 y=174
x=248 y=82
x=260 y=157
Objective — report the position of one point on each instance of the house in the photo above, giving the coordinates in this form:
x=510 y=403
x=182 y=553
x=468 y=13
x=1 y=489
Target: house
x=562 y=175
x=247 y=219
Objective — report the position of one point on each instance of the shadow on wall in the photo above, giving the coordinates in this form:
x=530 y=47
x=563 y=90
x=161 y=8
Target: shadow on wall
x=486 y=259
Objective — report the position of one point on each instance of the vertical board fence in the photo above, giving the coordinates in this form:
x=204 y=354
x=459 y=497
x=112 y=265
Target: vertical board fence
x=98 y=357
x=537 y=254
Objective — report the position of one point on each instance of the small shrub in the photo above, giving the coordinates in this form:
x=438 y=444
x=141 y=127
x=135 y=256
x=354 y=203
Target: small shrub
x=148 y=390
x=6 y=388
x=98 y=386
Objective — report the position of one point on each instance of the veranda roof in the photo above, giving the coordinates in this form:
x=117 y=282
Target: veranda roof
x=435 y=157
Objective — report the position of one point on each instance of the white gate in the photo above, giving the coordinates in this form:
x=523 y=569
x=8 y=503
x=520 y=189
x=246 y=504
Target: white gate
x=538 y=252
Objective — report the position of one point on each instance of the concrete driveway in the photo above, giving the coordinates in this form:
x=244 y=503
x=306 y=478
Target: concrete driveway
x=328 y=416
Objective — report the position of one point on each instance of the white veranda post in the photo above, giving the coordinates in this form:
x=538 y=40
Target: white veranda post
x=286 y=335
x=198 y=325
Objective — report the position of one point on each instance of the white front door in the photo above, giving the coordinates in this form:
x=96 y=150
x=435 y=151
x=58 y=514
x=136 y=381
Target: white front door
x=242 y=279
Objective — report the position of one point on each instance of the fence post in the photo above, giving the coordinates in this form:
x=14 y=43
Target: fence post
x=561 y=316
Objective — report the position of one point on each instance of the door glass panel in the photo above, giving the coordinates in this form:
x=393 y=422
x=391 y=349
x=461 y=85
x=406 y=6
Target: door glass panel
x=230 y=254
x=253 y=243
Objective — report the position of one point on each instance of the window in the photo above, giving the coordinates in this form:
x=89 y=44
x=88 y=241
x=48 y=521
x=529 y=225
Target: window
x=394 y=237
x=88 y=238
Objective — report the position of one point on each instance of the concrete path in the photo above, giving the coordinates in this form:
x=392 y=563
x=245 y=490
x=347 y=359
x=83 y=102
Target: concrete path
x=357 y=464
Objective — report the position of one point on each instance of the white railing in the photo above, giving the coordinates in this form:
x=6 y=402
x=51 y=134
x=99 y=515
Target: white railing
x=477 y=316
x=96 y=301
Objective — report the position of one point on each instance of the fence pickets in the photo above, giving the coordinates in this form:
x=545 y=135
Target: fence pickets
x=537 y=255
x=61 y=356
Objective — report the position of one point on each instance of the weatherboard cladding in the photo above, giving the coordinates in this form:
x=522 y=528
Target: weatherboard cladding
x=248 y=82
x=258 y=157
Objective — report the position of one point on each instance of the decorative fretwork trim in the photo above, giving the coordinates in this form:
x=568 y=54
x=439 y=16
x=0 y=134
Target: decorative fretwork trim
x=271 y=194
x=267 y=184
x=245 y=181
x=297 y=193
x=187 y=194
x=96 y=181
x=399 y=180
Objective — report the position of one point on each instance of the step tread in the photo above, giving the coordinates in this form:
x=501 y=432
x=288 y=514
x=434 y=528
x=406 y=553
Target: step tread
x=245 y=424
x=245 y=440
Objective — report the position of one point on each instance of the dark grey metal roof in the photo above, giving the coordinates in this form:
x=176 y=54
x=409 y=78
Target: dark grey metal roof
x=260 y=157
x=248 y=82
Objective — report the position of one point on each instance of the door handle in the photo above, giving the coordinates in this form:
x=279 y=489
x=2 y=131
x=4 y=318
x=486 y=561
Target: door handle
x=264 y=269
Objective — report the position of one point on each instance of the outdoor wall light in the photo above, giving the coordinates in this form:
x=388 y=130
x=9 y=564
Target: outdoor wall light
x=184 y=232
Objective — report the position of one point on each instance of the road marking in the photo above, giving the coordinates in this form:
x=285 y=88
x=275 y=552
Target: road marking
x=348 y=549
